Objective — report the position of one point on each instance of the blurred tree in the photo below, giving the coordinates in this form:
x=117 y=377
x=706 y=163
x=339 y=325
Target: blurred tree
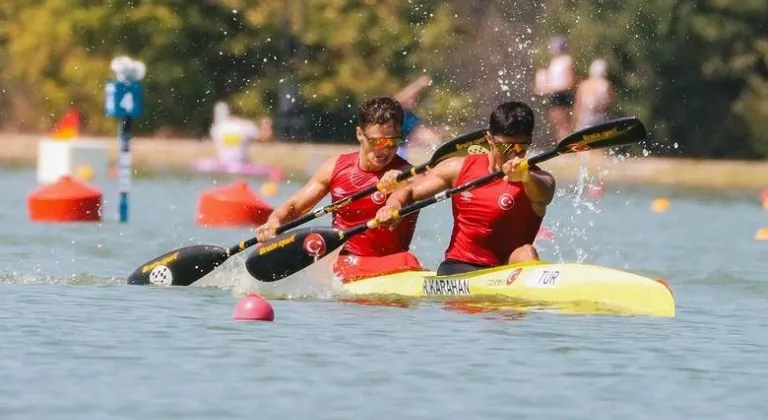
x=695 y=70
x=57 y=54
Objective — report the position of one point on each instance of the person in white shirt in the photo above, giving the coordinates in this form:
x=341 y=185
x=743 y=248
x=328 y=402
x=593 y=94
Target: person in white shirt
x=232 y=135
x=557 y=82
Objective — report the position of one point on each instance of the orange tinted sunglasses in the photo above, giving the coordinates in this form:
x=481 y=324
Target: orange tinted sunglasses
x=518 y=148
x=384 y=142
x=506 y=148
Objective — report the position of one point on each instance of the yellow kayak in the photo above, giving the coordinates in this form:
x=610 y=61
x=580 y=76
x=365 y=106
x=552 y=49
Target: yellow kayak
x=563 y=287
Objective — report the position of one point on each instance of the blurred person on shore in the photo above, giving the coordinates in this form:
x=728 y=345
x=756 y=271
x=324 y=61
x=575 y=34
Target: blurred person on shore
x=415 y=131
x=233 y=135
x=594 y=97
x=557 y=83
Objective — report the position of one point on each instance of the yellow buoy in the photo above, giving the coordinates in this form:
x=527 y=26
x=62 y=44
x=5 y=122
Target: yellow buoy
x=765 y=204
x=762 y=234
x=84 y=172
x=268 y=188
x=660 y=205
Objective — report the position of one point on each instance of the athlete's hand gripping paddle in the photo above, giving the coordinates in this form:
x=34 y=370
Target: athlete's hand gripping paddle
x=291 y=252
x=184 y=266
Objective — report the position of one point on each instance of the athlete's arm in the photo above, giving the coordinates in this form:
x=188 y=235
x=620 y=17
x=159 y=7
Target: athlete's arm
x=307 y=196
x=539 y=185
x=438 y=179
x=300 y=202
x=540 y=188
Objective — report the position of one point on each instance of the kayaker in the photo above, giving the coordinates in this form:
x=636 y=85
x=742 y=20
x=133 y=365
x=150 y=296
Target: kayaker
x=494 y=224
x=377 y=251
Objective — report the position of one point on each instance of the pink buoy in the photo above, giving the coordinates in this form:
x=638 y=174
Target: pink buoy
x=545 y=234
x=764 y=198
x=595 y=191
x=253 y=308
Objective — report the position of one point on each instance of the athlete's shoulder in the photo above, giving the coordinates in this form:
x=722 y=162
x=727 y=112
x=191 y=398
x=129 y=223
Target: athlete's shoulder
x=345 y=159
x=349 y=155
x=327 y=169
x=452 y=166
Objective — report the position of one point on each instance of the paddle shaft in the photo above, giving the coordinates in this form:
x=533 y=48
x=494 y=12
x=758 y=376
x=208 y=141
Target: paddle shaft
x=453 y=146
x=444 y=195
x=405 y=211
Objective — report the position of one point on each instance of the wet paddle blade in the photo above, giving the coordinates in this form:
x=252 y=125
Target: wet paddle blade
x=466 y=144
x=180 y=267
x=615 y=133
x=291 y=252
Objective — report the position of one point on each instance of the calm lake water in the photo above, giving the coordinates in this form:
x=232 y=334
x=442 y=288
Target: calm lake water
x=78 y=343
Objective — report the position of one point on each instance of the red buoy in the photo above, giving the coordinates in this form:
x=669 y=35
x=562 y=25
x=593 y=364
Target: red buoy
x=66 y=200
x=253 y=308
x=232 y=205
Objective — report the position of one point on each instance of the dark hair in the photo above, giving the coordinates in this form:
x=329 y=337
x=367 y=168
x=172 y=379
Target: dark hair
x=511 y=118
x=380 y=110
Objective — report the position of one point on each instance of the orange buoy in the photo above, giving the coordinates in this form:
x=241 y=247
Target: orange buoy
x=268 y=189
x=232 y=205
x=762 y=234
x=660 y=205
x=66 y=200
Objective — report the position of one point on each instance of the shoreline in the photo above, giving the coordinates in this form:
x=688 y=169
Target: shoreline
x=298 y=160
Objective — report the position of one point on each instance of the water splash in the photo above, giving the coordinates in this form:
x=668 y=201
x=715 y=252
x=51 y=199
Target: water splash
x=316 y=281
x=573 y=241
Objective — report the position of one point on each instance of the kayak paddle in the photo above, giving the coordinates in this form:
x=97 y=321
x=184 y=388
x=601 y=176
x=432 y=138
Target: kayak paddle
x=291 y=252
x=184 y=266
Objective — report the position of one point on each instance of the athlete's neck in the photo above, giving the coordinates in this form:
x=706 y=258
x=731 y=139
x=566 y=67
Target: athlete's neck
x=364 y=164
x=493 y=166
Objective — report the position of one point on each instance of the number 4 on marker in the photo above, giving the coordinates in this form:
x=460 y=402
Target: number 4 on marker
x=127 y=102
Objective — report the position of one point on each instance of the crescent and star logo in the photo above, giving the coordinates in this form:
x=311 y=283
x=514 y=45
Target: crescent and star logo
x=314 y=244
x=576 y=147
x=513 y=276
x=506 y=201
x=379 y=197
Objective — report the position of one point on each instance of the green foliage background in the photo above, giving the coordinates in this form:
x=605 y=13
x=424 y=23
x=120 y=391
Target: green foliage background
x=696 y=71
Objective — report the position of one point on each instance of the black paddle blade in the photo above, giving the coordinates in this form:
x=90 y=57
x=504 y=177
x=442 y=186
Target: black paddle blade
x=291 y=252
x=614 y=133
x=180 y=267
x=466 y=144
x=619 y=132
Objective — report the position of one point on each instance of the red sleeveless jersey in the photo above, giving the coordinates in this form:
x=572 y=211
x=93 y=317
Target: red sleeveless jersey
x=347 y=179
x=490 y=221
